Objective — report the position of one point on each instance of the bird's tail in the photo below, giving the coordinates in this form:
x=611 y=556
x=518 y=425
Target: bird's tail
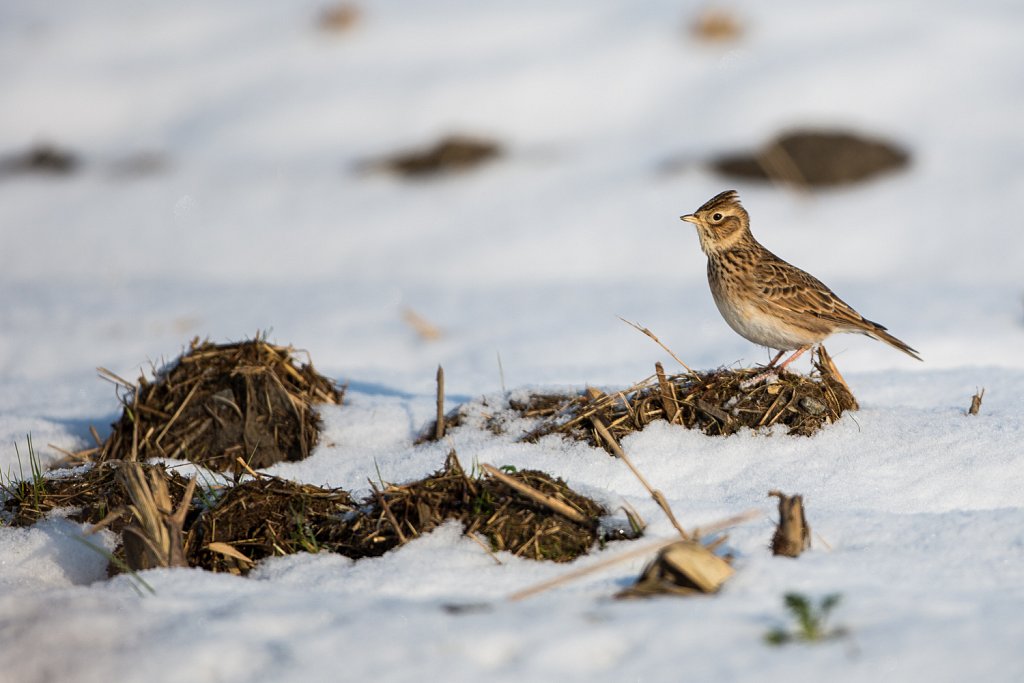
x=878 y=332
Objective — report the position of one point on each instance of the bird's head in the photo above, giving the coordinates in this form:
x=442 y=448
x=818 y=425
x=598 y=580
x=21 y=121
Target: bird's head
x=721 y=222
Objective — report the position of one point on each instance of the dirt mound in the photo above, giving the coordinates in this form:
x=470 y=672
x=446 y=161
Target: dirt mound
x=509 y=519
x=42 y=158
x=90 y=495
x=269 y=516
x=453 y=153
x=224 y=405
x=720 y=402
x=231 y=529
x=813 y=158
x=266 y=517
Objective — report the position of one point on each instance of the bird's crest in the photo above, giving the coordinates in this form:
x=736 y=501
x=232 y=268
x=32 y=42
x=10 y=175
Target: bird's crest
x=727 y=198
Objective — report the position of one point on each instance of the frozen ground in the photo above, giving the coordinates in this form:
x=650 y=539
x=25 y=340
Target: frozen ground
x=259 y=221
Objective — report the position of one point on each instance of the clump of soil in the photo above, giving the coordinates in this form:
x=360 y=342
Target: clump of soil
x=719 y=403
x=509 y=519
x=812 y=158
x=452 y=153
x=42 y=158
x=232 y=529
x=227 y=407
x=266 y=517
x=90 y=494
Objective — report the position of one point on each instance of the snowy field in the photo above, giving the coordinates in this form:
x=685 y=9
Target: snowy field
x=259 y=219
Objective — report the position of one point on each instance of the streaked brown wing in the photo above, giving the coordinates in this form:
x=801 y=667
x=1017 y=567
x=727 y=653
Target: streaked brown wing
x=787 y=287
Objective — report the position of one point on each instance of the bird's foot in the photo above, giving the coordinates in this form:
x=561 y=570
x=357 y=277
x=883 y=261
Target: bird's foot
x=770 y=376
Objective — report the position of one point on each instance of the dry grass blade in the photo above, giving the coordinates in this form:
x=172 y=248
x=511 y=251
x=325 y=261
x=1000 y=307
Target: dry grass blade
x=244 y=467
x=645 y=549
x=724 y=524
x=426 y=330
x=658 y=497
x=229 y=551
x=657 y=341
x=177 y=413
x=114 y=378
x=160 y=534
x=568 y=577
x=490 y=553
x=390 y=515
x=556 y=505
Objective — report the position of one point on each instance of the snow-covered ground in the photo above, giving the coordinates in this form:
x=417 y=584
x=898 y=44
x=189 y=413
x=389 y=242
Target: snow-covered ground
x=259 y=220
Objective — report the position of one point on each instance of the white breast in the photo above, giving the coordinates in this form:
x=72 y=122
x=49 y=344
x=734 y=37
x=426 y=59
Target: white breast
x=753 y=324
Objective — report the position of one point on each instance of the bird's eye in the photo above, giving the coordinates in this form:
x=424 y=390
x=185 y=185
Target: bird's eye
x=717 y=217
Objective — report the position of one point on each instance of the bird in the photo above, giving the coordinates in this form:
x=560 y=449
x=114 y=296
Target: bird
x=765 y=299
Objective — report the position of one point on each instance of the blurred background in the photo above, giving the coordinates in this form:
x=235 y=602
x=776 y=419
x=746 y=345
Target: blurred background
x=488 y=185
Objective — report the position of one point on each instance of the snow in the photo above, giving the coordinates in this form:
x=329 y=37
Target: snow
x=261 y=221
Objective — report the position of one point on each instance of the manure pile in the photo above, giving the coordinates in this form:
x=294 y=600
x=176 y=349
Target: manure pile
x=231 y=528
x=226 y=407
x=244 y=406
x=718 y=403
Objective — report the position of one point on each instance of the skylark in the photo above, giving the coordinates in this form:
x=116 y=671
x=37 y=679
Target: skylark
x=765 y=299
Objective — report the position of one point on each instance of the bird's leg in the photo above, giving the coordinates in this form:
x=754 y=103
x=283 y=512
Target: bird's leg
x=796 y=354
x=772 y=373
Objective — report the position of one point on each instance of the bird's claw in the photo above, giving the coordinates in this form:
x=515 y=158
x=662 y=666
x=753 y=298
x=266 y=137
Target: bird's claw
x=767 y=377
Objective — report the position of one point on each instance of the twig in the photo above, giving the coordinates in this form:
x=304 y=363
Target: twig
x=629 y=555
x=68 y=455
x=825 y=358
x=501 y=374
x=229 y=551
x=249 y=470
x=657 y=341
x=658 y=497
x=388 y=513
x=439 y=425
x=423 y=327
x=177 y=413
x=106 y=521
x=111 y=377
x=483 y=545
x=577 y=573
x=715 y=527
x=134 y=455
x=530 y=492
x=668 y=399
x=976 y=402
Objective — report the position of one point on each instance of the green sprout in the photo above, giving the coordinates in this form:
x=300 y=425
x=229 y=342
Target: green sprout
x=810 y=620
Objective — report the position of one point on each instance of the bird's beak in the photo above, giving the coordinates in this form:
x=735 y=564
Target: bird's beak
x=689 y=218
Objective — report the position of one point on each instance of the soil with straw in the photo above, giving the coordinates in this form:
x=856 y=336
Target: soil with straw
x=224 y=406
x=232 y=528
